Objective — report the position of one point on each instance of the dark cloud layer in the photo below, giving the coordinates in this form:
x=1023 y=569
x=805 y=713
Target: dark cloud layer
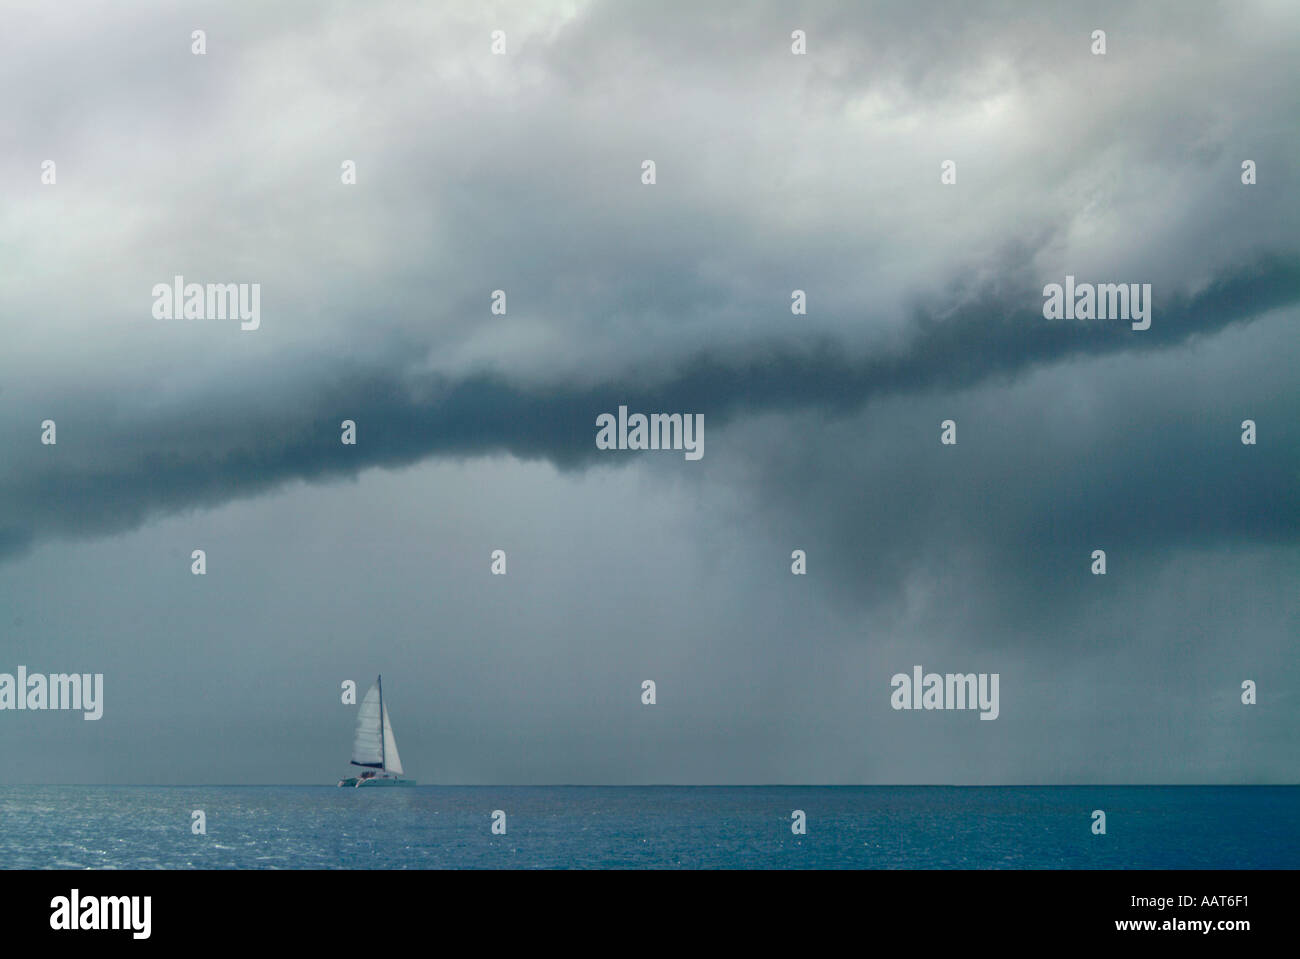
x=122 y=479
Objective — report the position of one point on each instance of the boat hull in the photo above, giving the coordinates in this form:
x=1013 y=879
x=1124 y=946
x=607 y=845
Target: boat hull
x=375 y=781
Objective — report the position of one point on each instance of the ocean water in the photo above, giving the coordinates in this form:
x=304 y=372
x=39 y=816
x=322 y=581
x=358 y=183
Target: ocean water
x=673 y=827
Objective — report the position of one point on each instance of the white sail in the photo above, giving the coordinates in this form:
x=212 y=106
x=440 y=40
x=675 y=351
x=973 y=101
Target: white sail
x=392 y=761
x=368 y=747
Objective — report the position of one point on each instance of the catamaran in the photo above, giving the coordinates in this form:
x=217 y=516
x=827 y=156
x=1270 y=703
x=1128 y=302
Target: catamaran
x=374 y=748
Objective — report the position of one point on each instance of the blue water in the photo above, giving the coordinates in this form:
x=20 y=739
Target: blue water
x=876 y=827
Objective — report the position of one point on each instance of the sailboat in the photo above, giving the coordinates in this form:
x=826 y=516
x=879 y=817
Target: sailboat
x=375 y=749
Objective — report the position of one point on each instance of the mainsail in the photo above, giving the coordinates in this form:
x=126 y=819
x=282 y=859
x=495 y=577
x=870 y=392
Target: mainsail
x=368 y=747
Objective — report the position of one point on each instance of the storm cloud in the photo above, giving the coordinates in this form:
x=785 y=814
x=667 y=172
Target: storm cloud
x=477 y=430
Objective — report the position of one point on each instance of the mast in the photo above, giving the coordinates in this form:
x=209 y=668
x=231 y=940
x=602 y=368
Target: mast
x=383 y=759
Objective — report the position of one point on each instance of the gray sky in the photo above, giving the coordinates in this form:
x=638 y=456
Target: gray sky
x=477 y=432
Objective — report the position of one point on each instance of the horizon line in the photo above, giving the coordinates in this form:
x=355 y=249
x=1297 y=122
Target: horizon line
x=420 y=785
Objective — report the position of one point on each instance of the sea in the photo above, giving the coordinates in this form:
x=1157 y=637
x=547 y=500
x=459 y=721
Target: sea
x=650 y=827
